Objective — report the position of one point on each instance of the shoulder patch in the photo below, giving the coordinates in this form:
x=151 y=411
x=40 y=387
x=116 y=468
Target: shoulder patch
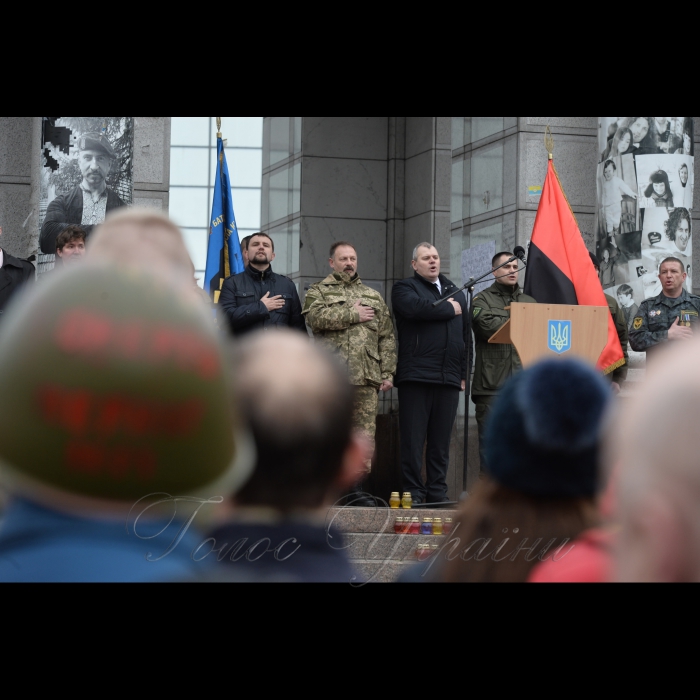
x=477 y=311
x=638 y=323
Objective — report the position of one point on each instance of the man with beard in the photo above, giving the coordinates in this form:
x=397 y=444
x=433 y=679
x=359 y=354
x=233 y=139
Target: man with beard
x=353 y=321
x=88 y=204
x=258 y=299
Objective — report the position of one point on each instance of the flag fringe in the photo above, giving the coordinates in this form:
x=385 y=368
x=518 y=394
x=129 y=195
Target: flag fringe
x=616 y=366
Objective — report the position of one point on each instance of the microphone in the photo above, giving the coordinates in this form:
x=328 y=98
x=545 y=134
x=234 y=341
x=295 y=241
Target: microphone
x=520 y=254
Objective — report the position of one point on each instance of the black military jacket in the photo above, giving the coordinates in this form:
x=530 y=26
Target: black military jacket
x=656 y=316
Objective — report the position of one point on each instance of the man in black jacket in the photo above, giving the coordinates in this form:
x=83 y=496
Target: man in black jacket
x=432 y=371
x=14 y=274
x=88 y=204
x=258 y=299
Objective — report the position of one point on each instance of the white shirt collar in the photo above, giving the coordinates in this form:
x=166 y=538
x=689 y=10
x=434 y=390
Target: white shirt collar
x=2 y=258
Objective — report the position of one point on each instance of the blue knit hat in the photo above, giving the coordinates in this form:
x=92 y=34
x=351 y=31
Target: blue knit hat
x=544 y=432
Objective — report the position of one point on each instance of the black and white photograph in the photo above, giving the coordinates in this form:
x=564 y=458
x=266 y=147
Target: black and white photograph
x=87 y=172
x=629 y=296
x=665 y=181
x=615 y=256
x=617 y=197
x=628 y=135
x=667 y=234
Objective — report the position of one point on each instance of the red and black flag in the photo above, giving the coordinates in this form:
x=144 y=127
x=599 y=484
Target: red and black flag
x=560 y=270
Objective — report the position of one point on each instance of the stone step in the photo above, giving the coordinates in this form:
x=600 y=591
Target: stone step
x=374 y=572
x=379 y=520
x=373 y=548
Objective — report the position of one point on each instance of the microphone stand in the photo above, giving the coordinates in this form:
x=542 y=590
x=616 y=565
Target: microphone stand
x=473 y=282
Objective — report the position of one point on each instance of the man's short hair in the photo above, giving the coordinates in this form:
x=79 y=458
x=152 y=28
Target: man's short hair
x=141 y=238
x=263 y=235
x=418 y=247
x=341 y=244
x=494 y=262
x=68 y=235
x=302 y=423
x=625 y=290
x=672 y=260
x=245 y=242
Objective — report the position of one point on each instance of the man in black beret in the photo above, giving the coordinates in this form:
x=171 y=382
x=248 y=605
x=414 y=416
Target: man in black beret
x=88 y=204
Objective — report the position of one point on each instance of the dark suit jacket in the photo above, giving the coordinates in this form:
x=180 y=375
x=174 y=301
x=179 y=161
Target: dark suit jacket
x=67 y=210
x=13 y=275
x=432 y=340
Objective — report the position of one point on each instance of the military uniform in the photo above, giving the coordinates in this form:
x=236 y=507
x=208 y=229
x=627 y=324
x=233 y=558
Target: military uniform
x=656 y=316
x=620 y=374
x=495 y=364
x=369 y=349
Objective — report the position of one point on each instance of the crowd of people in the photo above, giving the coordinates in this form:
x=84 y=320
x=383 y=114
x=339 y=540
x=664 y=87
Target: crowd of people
x=223 y=439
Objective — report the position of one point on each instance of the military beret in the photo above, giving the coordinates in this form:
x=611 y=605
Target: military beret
x=96 y=142
x=114 y=387
x=543 y=437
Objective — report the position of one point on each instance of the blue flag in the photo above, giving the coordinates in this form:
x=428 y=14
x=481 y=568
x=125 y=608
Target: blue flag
x=225 y=257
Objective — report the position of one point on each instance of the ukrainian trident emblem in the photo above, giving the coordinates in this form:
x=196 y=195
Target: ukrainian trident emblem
x=560 y=336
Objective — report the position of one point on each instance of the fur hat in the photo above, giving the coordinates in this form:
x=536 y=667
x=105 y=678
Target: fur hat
x=544 y=433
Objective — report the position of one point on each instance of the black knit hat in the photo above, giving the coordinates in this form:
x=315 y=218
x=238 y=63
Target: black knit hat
x=544 y=433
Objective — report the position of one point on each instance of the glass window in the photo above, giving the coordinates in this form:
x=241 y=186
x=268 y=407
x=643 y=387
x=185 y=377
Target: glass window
x=193 y=170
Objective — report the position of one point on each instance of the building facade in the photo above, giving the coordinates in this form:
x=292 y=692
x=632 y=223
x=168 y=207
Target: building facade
x=384 y=183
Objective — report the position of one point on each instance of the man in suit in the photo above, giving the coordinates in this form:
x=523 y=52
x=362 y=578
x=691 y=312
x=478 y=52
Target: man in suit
x=431 y=373
x=14 y=274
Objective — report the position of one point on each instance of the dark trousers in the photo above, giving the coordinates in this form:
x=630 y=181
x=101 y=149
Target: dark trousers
x=426 y=412
x=483 y=404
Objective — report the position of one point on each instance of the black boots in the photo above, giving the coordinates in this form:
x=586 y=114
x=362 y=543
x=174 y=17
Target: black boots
x=357 y=498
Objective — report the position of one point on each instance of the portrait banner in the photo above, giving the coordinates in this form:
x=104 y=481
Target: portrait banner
x=87 y=172
x=645 y=199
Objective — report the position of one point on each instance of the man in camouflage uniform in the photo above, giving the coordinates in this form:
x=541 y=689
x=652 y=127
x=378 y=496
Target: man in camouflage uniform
x=353 y=320
x=495 y=364
x=672 y=316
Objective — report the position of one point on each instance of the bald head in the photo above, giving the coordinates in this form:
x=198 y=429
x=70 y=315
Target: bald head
x=299 y=404
x=142 y=238
x=654 y=449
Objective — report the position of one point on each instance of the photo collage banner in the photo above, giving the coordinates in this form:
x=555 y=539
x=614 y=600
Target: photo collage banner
x=645 y=199
x=87 y=172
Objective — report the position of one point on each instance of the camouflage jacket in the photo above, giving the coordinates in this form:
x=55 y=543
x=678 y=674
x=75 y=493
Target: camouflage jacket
x=620 y=374
x=495 y=364
x=368 y=348
x=650 y=327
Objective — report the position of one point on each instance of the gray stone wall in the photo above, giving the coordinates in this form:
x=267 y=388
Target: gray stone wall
x=576 y=160
x=20 y=162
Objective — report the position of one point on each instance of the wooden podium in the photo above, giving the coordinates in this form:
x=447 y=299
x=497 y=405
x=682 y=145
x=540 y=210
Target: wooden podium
x=546 y=331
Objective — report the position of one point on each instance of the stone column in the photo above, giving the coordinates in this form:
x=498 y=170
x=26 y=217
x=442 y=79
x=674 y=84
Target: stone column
x=645 y=183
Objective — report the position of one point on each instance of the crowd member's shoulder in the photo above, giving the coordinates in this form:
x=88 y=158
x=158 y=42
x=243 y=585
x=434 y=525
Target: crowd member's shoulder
x=25 y=264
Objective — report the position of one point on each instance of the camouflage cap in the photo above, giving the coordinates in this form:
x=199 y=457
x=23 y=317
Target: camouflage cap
x=96 y=142
x=114 y=387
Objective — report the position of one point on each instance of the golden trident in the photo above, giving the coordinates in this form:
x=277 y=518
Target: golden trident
x=549 y=142
x=218 y=127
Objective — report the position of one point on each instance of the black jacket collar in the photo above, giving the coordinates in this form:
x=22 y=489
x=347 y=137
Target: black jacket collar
x=10 y=260
x=259 y=276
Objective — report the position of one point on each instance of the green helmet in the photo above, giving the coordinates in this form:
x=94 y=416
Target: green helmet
x=114 y=387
